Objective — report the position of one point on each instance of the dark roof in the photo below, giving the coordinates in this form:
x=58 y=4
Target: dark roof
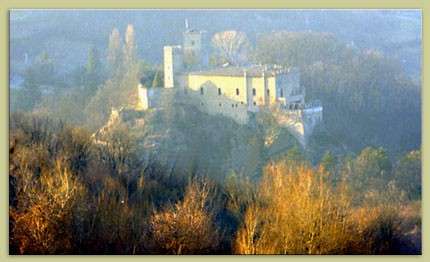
x=256 y=71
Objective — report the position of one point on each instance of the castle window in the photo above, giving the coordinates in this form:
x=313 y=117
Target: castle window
x=232 y=105
x=201 y=90
x=237 y=91
x=219 y=91
x=253 y=92
x=268 y=92
x=220 y=104
x=281 y=92
x=255 y=103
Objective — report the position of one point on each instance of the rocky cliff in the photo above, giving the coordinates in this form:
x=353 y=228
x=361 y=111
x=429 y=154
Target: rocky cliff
x=183 y=138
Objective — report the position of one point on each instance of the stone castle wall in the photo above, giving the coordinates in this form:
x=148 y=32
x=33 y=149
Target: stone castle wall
x=209 y=102
x=300 y=122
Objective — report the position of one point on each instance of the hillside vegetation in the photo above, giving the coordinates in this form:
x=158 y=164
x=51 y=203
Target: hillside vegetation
x=71 y=196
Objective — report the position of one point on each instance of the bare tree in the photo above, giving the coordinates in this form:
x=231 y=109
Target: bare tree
x=231 y=47
x=130 y=45
x=114 y=54
x=188 y=226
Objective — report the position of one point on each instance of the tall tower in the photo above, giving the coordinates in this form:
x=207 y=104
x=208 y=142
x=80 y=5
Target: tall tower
x=193 y=47
x=173 y=64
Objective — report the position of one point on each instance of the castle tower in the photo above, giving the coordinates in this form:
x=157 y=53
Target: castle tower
x=173 y=64
x=194 y=50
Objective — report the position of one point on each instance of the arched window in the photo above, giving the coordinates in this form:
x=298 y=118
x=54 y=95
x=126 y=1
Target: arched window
x=237 y=91
x=201 y=90
x=254 y=92
x=219 y=91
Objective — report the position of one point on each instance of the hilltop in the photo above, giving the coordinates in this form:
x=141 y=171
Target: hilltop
x=180 y=137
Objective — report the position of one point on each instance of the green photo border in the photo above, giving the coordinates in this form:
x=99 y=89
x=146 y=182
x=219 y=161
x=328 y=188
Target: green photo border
x=5 y=6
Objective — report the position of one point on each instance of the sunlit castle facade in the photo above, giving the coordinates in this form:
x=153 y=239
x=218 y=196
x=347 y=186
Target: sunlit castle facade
x=233 y=91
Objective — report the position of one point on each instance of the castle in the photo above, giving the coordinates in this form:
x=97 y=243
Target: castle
x=236 y=92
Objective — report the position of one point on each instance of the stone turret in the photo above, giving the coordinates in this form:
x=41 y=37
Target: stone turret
x=173 y=65
x=194 y=48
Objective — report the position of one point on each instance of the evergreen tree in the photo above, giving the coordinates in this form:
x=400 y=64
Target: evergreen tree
x=158 y=81
x=93 y=70
x=371 y=170
x=328 y=161
x=40 y=73
x=295 y=155
x=93 y=63
x=408 y=174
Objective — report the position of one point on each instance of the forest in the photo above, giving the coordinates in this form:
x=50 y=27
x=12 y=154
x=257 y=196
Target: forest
x=184 y=182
